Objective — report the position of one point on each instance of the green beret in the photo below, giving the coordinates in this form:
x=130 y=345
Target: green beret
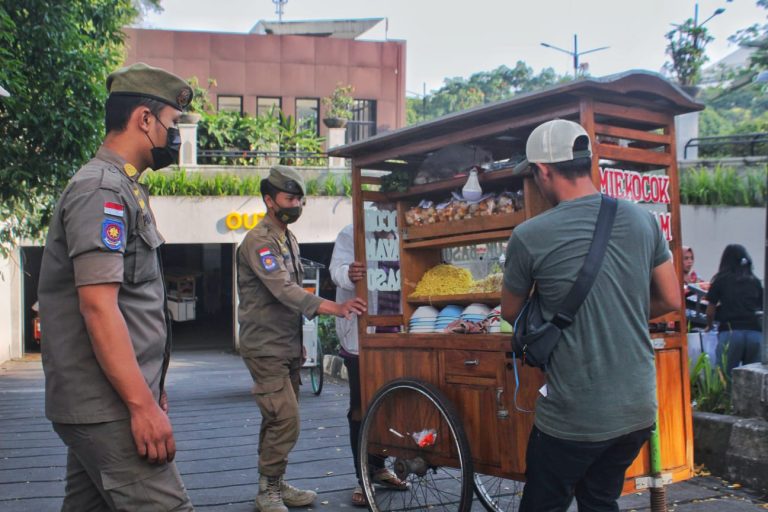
x=286 y=179
x=155 y=83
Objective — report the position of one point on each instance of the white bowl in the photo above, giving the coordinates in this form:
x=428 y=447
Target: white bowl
x=476 y=309
x=425 y=312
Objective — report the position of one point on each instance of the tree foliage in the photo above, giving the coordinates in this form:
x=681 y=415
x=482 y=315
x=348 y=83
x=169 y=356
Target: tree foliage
x=484 y=87
x=755 y=36
x=686 y=47
x=54 y=60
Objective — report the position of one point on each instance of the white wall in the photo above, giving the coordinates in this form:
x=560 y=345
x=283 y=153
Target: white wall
x=202 y=220
x=707 y=230
x=10 y=315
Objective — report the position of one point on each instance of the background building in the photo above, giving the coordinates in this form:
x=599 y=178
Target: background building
x=287 y=65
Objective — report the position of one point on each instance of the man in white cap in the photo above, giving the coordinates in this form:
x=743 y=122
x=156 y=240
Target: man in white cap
x=599 y=405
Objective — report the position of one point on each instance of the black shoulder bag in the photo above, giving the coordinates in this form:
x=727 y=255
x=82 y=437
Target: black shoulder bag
x=536 y=338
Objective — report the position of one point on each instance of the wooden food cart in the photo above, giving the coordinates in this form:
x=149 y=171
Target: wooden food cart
x=447 y=412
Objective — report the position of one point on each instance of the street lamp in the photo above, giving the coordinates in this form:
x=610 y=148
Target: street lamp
x=575 y=53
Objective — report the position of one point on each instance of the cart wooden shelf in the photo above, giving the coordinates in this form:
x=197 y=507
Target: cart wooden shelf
x=469 y=388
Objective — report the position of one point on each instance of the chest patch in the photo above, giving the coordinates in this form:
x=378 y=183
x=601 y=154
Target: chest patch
x=112 y=234
x=268 y=261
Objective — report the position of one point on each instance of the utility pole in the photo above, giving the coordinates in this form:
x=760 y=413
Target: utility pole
x=575 y=54
x=279 y=4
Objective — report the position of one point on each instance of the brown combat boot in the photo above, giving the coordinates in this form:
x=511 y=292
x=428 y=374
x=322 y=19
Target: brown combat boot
x=270 y=497
x=293 y=497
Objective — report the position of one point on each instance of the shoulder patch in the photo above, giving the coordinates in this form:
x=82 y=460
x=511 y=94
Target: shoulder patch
x=268 y=260
x=112 y=234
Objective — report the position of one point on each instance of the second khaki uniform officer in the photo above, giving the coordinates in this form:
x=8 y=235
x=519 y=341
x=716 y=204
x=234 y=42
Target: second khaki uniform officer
x=272 y=302
x=102 y=305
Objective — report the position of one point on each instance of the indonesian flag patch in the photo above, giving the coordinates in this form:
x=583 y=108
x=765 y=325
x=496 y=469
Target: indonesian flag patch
x=268 y=261
x=114 y=209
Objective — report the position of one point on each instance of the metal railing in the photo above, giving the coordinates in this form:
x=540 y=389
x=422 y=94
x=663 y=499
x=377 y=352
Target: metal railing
x=748 y=140
x=230 y=156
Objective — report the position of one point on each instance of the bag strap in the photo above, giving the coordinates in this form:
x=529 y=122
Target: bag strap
x=591 y=266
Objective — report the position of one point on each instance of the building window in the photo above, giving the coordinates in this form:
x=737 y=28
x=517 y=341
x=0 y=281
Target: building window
x=308 y=114
x=363 y=122
x=268 y=106
x=229 y=104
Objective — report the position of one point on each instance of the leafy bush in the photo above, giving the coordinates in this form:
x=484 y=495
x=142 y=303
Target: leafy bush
x=724 y=186
x=326 y=334
x=182 y=184
x=710 y=390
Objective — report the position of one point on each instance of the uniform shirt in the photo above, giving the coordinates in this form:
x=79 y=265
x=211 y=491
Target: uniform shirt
x=102 y=231
x=738 y=299
x=269 y=276
x=601 y=380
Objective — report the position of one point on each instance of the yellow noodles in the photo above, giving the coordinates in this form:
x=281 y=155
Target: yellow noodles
x=443 y=280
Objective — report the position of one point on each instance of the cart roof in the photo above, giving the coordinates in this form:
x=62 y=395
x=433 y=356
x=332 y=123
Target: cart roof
x=636 y=88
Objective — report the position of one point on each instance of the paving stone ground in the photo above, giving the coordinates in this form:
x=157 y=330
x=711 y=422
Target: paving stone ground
x=216 y=423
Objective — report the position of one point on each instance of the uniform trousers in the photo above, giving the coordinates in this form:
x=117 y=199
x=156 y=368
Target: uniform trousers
x=105 y=473
x=276 y=383
x=557 y=470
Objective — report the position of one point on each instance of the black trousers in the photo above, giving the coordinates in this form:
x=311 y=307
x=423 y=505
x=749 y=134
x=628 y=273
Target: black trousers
x=355 y=414
x=558 y=470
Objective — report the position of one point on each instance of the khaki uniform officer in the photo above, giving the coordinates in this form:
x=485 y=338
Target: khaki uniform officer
x=105 y=344
x=272 y=302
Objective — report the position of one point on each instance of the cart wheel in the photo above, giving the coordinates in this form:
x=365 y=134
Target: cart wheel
x=498 y=494
x=438 y=473
x=316 y=372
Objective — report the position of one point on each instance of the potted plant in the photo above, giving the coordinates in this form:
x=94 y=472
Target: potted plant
x=338 y=106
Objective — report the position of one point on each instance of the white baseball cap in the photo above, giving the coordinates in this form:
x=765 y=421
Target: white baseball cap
x=553 y=142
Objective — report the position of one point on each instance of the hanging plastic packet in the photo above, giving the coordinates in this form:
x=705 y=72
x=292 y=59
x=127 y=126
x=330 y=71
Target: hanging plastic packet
x=425 y=438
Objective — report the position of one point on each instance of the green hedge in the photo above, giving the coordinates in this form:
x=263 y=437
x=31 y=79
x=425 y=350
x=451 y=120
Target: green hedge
x=181 y=183
x=724 y=186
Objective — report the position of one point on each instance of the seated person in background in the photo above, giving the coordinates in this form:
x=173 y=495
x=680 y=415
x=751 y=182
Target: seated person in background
x=735 y=298
x=689 y=275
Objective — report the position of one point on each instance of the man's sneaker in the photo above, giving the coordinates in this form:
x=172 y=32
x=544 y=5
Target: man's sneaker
x=388 y=479
x=270 y=497
x=293 y=497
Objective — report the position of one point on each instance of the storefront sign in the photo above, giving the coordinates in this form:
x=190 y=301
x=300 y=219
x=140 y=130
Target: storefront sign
x=639 y=188
x=237 y=220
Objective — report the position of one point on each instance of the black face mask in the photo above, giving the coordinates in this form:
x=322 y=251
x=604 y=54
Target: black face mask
x=288 y=215
x=168 y=154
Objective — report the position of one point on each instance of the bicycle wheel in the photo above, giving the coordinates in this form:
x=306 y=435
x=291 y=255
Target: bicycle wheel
x=316 y=372
x=498 y=494
x=438 y=471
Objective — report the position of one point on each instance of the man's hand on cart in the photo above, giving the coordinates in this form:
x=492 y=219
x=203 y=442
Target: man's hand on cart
x=356 y=271
x=355 y=306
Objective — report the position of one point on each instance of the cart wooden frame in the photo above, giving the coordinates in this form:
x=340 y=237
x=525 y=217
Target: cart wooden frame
x=631 y=120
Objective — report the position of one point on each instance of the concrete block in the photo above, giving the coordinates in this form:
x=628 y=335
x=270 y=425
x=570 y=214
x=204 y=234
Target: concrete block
x=747 y=455
x=711 y=439
x=750 y=391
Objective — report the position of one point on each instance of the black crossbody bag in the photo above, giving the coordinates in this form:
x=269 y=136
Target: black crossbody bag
x=535 y=338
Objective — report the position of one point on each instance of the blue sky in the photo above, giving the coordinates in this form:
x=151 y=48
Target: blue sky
x=455 y=38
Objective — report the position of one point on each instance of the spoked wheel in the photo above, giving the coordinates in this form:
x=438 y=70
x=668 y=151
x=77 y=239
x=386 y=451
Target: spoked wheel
x=437 y=470
x=498 y=494
x=316 y=372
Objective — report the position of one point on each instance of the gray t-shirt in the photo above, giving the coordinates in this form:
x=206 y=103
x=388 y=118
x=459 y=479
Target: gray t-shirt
x=601 y=381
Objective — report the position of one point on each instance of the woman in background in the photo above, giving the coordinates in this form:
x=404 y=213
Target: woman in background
x=735 y=298
x=689 y=275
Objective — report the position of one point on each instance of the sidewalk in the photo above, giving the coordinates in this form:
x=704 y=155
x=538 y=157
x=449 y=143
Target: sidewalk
x=216 y=424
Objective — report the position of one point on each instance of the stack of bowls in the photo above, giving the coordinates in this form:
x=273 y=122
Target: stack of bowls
x=447 y=315
x=494 y=319
x=475 y=312
x=423 y=320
